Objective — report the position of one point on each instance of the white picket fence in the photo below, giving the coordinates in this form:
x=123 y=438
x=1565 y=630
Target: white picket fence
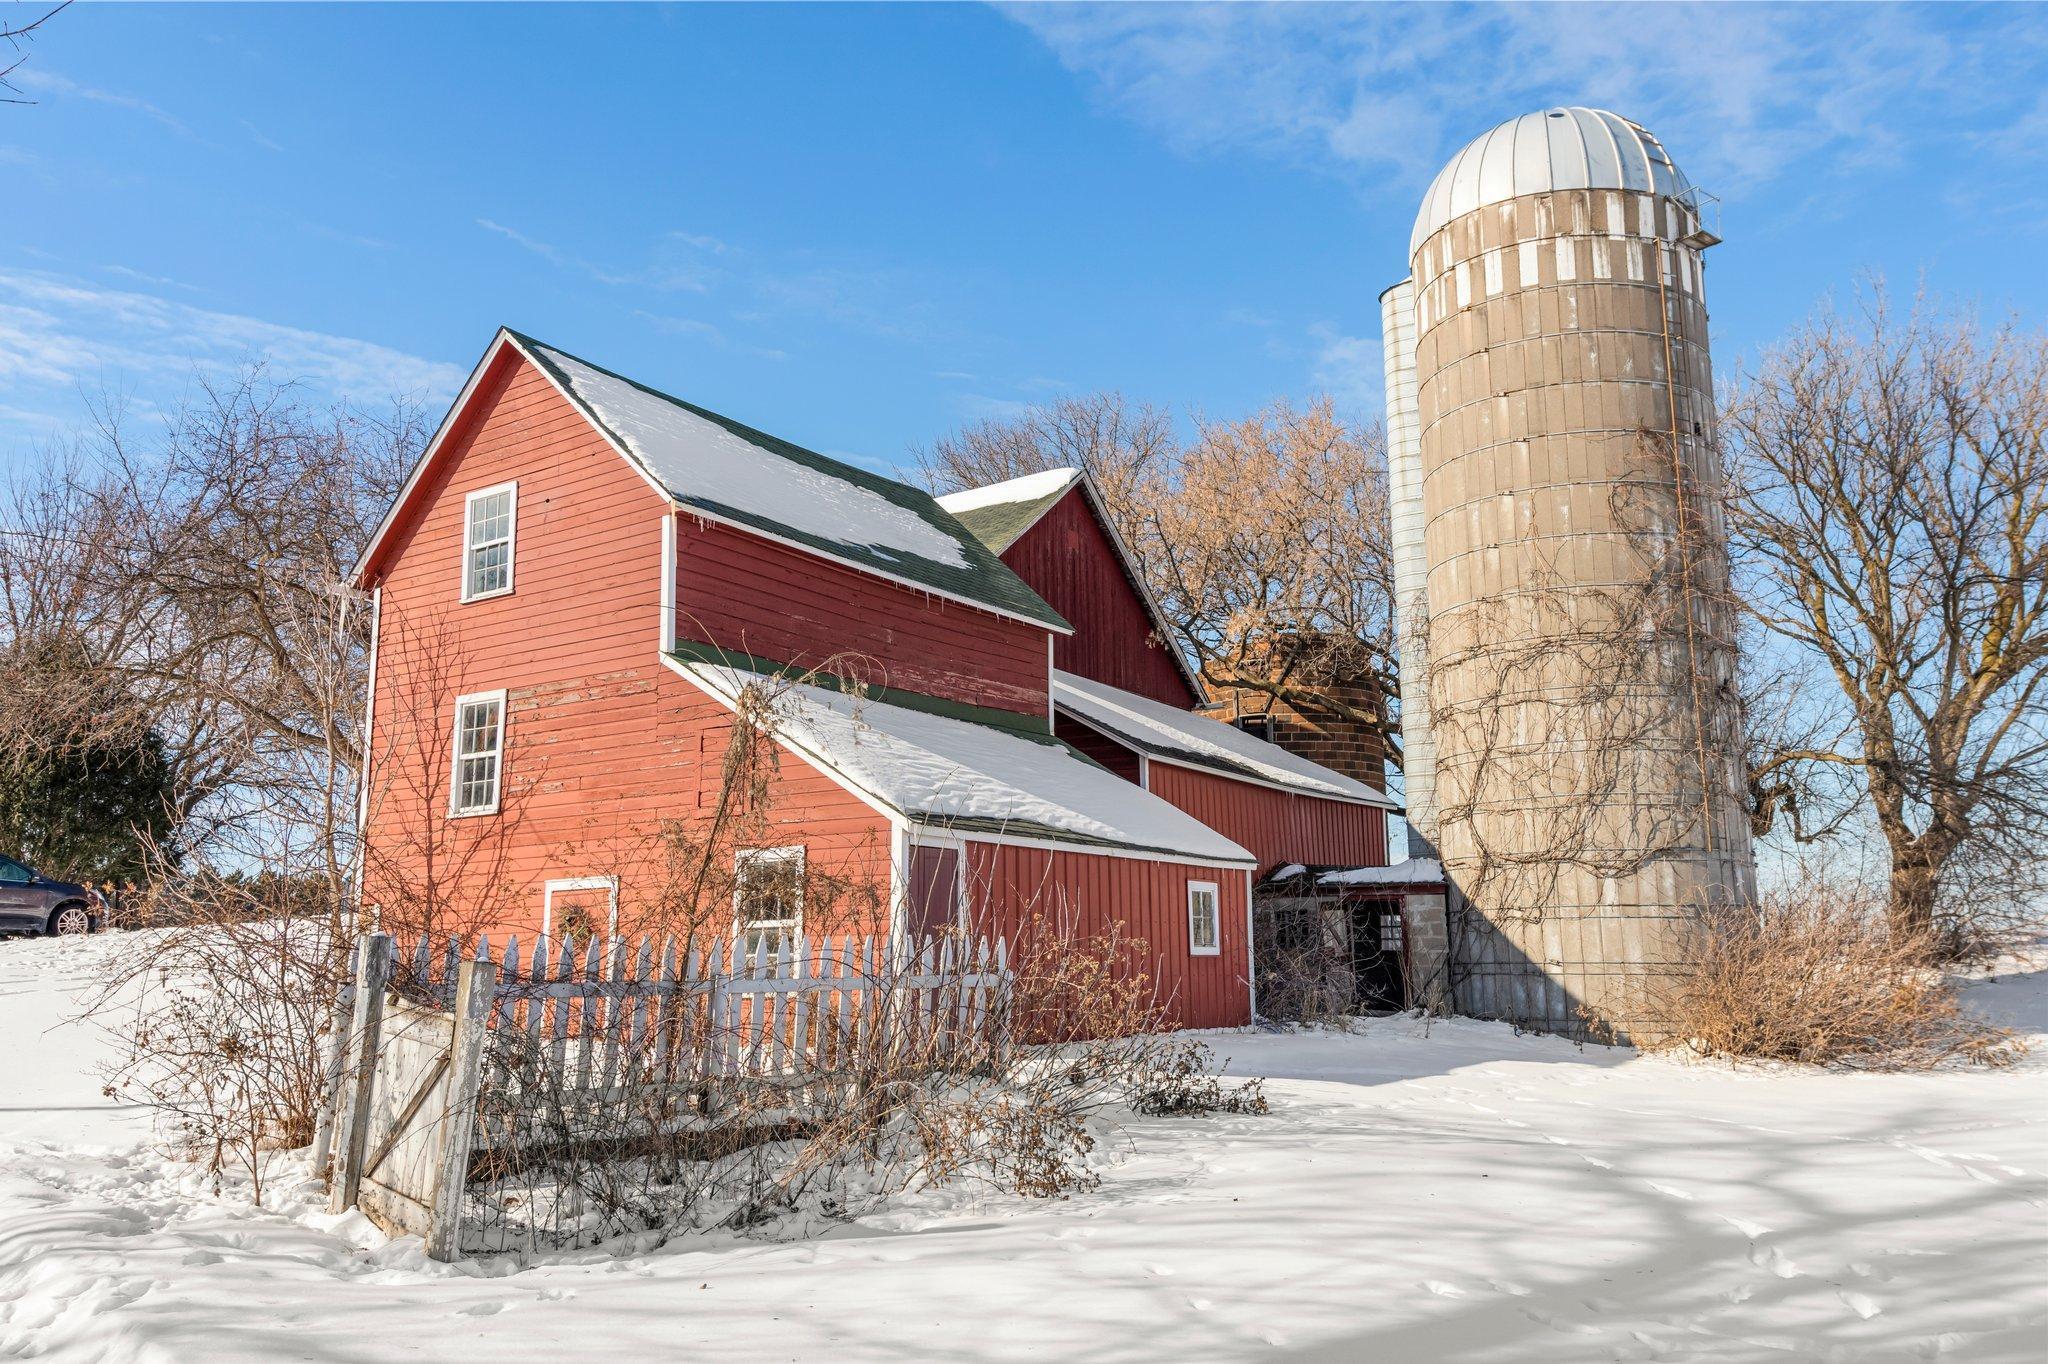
x=623 y=1037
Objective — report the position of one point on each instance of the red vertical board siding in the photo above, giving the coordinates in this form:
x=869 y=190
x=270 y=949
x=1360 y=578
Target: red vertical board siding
x=1106 y=751
x=742 y=592
x=1068 y=560
x=1082 y=895
x=603 y=743
x=1276 y=826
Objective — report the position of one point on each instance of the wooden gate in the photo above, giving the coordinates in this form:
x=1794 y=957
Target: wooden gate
x=406 y=1112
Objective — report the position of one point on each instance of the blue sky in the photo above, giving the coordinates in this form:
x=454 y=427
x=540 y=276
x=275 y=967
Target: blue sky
x=858 y=227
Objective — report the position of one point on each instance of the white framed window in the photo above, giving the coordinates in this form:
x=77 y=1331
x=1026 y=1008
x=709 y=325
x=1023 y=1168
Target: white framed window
x=479 y=753
x=490 y=519
x=768 y=894
x=1204 y=920
x=574 y=906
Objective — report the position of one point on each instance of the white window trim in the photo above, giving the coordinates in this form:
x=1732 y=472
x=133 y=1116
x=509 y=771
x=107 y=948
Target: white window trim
x=1215 y=920
x=790 y=853
x=455 y=807
x=607 y=883
x=511 y=538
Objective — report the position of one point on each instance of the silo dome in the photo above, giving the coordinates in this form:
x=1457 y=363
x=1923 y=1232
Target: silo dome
x=1555 y=149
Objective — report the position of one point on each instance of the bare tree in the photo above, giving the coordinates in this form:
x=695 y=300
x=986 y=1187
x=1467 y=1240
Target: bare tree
x=1267 y=543
x=201 y=574
x=16 y=35
x=1116 y=440
x=1266 y=540
x=1889 y=508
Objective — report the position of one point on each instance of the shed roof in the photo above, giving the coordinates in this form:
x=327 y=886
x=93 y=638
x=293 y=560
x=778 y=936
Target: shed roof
x=954 y=774
x=1160 y=731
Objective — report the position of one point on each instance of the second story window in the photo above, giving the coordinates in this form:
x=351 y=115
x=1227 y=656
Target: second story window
x=479 y=753
x=489 y=520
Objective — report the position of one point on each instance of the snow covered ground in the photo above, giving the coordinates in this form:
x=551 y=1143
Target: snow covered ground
x=1454 y=1193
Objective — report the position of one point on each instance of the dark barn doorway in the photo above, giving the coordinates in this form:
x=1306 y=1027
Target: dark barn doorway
x=1377 y=955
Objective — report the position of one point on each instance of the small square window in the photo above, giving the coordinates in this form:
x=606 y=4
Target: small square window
x=768 y=895
x=1204 y=920
x=489 y=521
x=479 y=753
x=1258 y=726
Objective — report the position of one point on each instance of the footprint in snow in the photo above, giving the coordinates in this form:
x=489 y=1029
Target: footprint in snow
x=1442 y=1289
x=482 y=1309
x=1775 y=1260
x=1668 y=1191
x=1200 y=1304
x=1596 y=1162
x=1862 y=1304
x=1160 y=1271
x=1750 y=1229
x=1935 y=1346
x=1503 y=1286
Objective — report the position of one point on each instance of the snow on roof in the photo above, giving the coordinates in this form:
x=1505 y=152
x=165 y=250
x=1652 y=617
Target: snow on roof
x=1000 y=513
x=955 y=774
x=1029 y=488
x=1161 y=731
x=1415 y=869
x=756 y=480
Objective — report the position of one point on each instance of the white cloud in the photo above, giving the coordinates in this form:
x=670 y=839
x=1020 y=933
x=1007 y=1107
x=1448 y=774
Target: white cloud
x=1350 y=369
x=690 y=326
x=1385 y=93
x=60 y=336
x=42 y=82
x=663 y=274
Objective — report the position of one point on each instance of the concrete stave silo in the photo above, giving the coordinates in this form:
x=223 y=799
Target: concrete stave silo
x=1553 y=476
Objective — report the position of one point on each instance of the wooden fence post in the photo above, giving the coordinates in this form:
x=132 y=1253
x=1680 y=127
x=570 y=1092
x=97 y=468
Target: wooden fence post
x=333 y=1064
x=476 y=987
x=373 y=973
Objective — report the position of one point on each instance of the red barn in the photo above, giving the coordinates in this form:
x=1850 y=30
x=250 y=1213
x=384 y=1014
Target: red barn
x=1123 y=694
x=586 y=584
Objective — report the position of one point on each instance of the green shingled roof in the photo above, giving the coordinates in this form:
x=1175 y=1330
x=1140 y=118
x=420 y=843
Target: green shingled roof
x=998 y=526
x=1000 y=513
x=742 y=476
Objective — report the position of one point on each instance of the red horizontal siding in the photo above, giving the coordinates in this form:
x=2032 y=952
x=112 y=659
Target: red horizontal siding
x=739 y=591
x=1275 y=826
x=1081 y=896
x=606 y=748
x=1069 y=560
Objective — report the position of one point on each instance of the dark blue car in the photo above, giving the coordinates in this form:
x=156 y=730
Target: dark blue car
x=33 y=903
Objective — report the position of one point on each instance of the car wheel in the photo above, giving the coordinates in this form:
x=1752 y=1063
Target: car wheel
x=70 y=920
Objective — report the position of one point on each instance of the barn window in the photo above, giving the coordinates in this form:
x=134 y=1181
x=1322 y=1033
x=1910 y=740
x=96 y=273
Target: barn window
x=580 y=907
x=479 y=753
x=1258 y=726
x=489 y=517
x=1203 y=919
x=768 y=894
